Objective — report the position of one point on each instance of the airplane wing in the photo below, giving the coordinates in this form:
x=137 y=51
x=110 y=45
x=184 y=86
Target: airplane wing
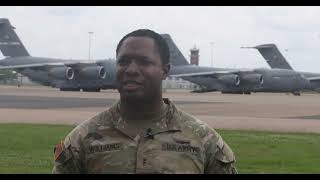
x=31 y=65
x=85 y=69
x=44 y=65
x=214 y=74
x=314 y=78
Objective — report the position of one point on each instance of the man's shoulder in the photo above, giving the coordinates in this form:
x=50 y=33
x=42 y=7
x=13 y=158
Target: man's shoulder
x=189 y=120
x=102 y=118
x=88 y=126
x=192 y=124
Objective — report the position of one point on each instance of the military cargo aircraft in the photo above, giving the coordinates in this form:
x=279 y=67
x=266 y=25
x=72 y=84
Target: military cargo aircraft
x=68 y=75
x=74 y=75
x=228 y=80
x=277 y=61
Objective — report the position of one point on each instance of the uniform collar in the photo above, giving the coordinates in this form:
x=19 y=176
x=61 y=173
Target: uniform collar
x=169 y=122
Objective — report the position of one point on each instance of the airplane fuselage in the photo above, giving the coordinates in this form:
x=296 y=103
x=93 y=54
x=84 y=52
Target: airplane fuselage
x=274 y=80
x=282 y=80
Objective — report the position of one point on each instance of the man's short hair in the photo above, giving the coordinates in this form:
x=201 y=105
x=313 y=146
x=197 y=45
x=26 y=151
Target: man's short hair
x=159 y=41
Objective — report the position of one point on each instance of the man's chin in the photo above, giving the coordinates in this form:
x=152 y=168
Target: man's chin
x=132 y=97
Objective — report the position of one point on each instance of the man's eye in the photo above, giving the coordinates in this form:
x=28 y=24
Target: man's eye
x=122 y=62
x=144 y=62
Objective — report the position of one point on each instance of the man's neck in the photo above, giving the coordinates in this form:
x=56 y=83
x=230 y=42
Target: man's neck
x=134 y=107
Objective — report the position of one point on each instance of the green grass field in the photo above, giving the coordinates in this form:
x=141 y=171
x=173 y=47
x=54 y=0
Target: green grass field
x=266 y=152
x=28 y=148
x=308 y=117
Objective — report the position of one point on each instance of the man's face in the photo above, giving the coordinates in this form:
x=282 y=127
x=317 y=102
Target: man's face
x=139 y=69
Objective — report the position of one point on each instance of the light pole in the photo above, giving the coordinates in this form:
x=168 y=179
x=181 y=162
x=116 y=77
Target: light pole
x=89 y=56
x=211 y=44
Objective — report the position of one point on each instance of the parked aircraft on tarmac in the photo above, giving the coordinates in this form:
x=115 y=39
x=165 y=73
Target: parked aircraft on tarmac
x=74 y=75
x=228 y=80
x=68 y=75
x=276 y=60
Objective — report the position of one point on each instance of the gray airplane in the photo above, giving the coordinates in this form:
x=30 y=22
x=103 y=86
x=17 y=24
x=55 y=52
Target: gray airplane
x=235 y=80
x=276 y=60
x=68 y=75
x=74 y=75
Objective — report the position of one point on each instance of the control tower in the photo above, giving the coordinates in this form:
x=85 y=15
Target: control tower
x=194 y=56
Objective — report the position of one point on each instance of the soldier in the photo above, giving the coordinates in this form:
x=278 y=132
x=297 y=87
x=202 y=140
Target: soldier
x=143 y=132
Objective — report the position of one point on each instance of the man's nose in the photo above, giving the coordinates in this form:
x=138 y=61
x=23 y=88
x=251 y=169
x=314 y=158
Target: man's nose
x=132 y=68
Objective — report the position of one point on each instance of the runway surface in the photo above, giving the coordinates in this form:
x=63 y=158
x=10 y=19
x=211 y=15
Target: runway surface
x=36 y=102
x=260 y=111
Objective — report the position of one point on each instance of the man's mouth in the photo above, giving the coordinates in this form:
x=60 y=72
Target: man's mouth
x=131 y=85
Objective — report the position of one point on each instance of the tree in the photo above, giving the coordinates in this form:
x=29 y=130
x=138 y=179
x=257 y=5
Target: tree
x=8 y=75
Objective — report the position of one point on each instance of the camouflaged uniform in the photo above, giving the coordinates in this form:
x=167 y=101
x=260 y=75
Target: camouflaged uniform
x=175 y=143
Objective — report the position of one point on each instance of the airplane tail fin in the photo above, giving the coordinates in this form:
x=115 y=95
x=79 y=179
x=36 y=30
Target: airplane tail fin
x=176 y=57
x=10 y=44
x=273 y=56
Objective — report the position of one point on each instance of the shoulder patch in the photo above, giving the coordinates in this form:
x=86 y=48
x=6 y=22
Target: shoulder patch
x=58 y=150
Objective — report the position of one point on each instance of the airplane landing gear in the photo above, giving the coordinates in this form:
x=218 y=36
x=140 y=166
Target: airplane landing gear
x=91 y=89
x=69 y=89
x=296 y=93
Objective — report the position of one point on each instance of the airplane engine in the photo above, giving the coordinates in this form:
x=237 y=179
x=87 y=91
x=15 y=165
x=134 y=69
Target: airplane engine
x=253 y=78
x=62 y=73
x=233 y=80
x=93 y=72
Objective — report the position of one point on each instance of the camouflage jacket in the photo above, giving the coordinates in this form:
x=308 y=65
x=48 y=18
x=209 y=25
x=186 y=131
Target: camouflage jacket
x=178 y=144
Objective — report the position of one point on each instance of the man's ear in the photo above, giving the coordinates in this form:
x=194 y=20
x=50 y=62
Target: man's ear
x=165 y=69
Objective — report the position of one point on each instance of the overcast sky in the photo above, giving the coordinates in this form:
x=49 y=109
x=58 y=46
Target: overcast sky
x=62 y=32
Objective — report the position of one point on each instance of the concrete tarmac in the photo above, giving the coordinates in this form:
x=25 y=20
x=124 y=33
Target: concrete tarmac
x=260 y=111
